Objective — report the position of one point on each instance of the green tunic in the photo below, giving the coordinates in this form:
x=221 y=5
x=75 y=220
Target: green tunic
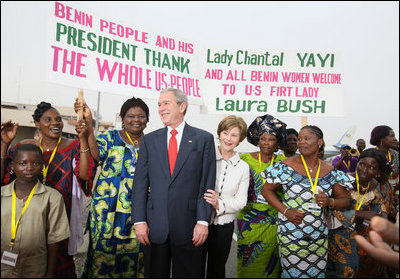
x=258 y=251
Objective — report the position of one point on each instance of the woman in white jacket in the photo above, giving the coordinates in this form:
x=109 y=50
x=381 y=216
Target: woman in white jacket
x=230 y=194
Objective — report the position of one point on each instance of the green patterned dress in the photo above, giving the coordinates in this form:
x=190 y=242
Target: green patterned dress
x=113 y=250
x=257 y=244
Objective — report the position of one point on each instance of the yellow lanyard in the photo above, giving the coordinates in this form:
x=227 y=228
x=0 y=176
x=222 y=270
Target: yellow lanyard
x=347 y=166
x=313 y=185
x=14 y=225
x=388 y=159
x=388 y=155
x=271 y=162
x=358 y=205
x=134 y=146
x=45 y=169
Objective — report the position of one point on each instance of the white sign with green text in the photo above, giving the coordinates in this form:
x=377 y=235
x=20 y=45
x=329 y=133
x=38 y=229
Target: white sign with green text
x=277 y=82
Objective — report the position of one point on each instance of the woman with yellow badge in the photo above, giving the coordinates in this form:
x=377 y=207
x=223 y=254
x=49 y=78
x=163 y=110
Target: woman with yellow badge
x=114 y=250
x=310 y=187
x=370 y=197
x=384 y=138
x=67 y=168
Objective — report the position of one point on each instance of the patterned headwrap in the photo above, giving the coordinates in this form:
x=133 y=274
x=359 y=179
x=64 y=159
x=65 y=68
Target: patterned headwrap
x=266 y=124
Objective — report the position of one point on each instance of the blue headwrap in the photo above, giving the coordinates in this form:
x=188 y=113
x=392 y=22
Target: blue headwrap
x=266 y=124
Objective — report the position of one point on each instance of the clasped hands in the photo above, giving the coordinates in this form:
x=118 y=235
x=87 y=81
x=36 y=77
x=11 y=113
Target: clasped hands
x=296 y=216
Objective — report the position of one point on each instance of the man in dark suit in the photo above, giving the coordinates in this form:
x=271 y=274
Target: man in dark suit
x=168 y=207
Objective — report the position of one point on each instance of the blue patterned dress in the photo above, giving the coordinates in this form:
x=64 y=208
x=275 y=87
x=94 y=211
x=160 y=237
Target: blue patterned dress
x=114 y=250
x=303 y=248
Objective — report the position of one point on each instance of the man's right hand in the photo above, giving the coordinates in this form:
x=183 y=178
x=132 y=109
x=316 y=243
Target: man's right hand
x=142 y=233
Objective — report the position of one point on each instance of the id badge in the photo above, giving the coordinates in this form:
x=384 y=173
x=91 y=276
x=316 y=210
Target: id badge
x=132 y=170
x=9 y=258
x=366 y=223
x=313 y=207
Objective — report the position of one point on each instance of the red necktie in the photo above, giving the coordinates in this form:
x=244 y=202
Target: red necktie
x=172 y=151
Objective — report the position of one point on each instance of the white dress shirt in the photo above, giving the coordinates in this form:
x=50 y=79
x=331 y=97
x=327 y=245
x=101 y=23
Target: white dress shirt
x=232 y=184
x=178 y=136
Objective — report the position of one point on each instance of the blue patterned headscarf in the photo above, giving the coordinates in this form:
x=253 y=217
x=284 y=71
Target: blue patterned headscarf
x=266 y=124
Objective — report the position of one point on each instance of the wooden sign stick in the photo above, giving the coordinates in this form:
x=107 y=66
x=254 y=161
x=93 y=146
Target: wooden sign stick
x=80 y=99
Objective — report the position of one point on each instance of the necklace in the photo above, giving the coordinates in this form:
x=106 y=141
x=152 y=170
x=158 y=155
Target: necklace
x=135 y=142
x=47 y=149
x=313 y=185
x=23 y=197
x=310 y=169
x=45 y=169
x=270 y=163
x=364 y=188
x=359 y=203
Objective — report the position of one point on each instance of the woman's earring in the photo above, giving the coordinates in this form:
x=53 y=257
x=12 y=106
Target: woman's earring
x=11 y=172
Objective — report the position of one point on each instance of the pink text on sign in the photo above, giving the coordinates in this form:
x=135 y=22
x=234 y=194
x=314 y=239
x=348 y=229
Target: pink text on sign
x=74 y=62
x=73 y=15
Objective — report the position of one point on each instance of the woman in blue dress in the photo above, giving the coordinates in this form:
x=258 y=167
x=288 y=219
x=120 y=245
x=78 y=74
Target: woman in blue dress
x=310 y=187
x=114 y=250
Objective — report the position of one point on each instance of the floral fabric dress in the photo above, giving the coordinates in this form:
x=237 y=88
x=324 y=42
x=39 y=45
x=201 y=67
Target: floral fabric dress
x=394 y=183
x=394 y=174
x=257 y=245
x=346 y=259
x=303 y=248
x=114 y=250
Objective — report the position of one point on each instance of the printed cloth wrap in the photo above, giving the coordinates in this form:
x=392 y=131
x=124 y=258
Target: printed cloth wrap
x=266 y=124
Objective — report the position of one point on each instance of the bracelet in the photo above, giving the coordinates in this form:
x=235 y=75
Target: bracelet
x=84 y=150
x=332 y=204
x=284 y=212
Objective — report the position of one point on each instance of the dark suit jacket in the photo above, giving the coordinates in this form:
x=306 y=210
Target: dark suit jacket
x=174 y=204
